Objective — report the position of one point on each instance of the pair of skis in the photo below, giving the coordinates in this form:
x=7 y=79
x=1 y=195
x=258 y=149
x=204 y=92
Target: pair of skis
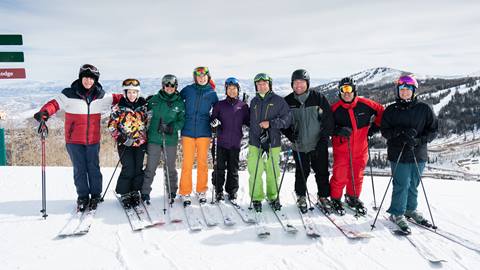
x=422 y=246
x=343 y=225
x=78 y=224
x=143 y=215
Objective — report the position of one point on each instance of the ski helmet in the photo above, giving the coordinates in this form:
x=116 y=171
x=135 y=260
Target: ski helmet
x=408 y=81
x=169 y=80
x=199 y=71
x=301 y=74
x=131 y=84
x=89 y=71
x=263 y=77
x=232 y=81
x=347 y=81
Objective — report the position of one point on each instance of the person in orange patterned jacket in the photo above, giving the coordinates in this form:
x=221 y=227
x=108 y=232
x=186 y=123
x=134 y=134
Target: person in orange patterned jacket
x=355 y=119
x=128 y=125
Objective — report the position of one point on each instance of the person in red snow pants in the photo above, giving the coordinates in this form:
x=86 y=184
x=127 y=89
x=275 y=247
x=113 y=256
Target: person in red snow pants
x=355 y=119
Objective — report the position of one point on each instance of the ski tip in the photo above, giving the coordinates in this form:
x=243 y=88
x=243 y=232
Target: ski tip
x=402 y=233
x=263 y=235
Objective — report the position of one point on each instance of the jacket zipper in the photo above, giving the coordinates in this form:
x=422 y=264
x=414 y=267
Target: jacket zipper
x=197 y=101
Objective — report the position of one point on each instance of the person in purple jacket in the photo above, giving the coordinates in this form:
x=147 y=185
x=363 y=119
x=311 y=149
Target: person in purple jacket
x=228 y=117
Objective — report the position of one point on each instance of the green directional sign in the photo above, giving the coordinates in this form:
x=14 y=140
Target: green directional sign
x=11 y=40
x=11 y=57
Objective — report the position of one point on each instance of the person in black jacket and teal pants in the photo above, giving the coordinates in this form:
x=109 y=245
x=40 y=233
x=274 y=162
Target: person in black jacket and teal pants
x=408 y=125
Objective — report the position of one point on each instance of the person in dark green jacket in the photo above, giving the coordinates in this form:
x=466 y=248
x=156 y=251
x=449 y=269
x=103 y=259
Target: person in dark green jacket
x=168 y=117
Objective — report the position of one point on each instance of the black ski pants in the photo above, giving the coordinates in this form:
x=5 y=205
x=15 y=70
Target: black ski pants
x=131 y=176
x=316 y=160
x=227 y=159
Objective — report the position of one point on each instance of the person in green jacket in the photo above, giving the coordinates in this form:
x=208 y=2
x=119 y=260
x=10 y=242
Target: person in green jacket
x=168 y=116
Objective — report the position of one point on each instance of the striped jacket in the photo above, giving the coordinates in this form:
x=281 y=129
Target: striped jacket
x=82 y=111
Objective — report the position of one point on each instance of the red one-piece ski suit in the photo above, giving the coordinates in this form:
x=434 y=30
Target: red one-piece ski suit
x=355 y=115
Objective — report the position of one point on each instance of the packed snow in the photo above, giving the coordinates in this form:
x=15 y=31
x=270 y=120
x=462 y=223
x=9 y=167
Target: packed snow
x=30 y=242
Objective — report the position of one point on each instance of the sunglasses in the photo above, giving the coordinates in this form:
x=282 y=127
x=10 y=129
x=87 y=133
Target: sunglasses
x=346 y=88
x=131 y=82
x=169 y=84
x=200 y=71
x=406 y=86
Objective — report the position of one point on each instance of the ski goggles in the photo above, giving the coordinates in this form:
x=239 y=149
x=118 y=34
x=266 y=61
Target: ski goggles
x=88 y=67
x=169 y=81
x=131 y=82
x=262 y=77
x=346 y=88
x=407 y=80
x=201 y=71
x=406 y=86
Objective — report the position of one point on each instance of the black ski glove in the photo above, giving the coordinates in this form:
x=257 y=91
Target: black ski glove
x=125 y=140
x=41 y=115
x=407 y=137
x=264 y=140
x=372 y=130
x=167 y=129
x=343 y=131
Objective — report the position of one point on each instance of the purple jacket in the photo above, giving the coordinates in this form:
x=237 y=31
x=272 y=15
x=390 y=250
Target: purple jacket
x=233 y=114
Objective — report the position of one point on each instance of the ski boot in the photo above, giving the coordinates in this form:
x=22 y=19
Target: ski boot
x=357 y=205
x=325 y=205
x=202 y=197
x=219 y=197
x=82 y=204
x=302 y=204
x=401 y=223
x=257 y=205
x=125 y=200
x=186 y=200
x=134 y=198
x=94 y=201
x=418 y=218
x=232 y=197
x=276 y=204
x=171 y=197
x=146 y=198
x=337 y=207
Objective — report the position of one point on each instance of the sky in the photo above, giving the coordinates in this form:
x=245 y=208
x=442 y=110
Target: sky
x=330 y=39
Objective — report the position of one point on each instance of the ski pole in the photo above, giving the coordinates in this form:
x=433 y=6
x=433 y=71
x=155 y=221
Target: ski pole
x=274 y=172
x=284 y=168
x=371 y=175
x=168 y=187
x=372 y=119
x=255 y=177
x=119 y=160
x=300 y=164
x=214 y=160
x=43 y=132
x=389 y=181
x=424 y=192
x=353 y=174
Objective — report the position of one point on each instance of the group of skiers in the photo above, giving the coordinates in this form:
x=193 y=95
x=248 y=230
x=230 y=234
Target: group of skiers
x=305 y=117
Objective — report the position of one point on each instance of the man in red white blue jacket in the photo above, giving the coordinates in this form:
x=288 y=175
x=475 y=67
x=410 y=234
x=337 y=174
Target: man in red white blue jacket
x=83 y=104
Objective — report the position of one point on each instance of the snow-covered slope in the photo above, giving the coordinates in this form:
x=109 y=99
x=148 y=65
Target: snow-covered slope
x=376 y=76
x=444 y=101
x=29 y=242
